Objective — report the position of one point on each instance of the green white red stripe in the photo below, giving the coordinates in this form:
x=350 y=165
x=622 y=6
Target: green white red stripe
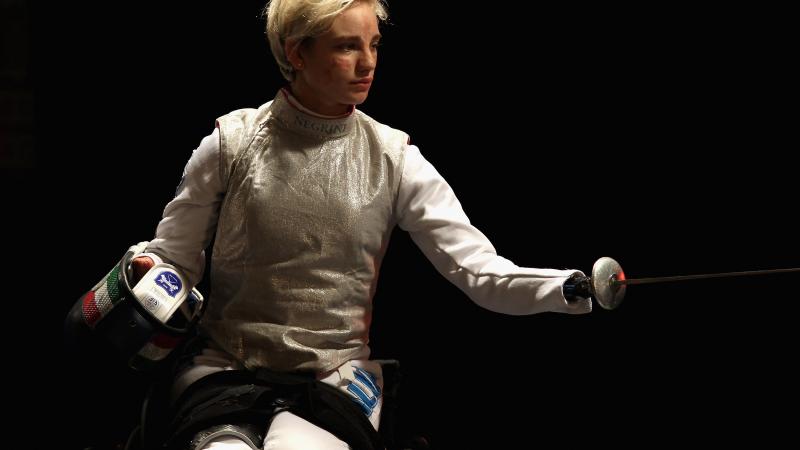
x=101 y=300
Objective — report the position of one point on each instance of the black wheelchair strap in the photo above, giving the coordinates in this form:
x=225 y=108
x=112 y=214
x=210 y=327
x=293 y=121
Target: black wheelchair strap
x=239 y=396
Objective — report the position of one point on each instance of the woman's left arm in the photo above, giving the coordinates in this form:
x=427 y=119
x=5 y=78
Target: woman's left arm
x=428 y=209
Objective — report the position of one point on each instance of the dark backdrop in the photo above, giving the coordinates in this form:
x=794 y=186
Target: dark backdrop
x=659 y=135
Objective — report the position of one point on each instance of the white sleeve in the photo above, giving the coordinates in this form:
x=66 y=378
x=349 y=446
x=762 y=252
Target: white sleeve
x=190 y=219
x=428 y=209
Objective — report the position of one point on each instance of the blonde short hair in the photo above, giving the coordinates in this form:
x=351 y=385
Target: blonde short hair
x=302 y=19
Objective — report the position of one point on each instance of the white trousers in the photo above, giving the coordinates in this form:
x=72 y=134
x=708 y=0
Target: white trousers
x=361 y=380
x=286 y=432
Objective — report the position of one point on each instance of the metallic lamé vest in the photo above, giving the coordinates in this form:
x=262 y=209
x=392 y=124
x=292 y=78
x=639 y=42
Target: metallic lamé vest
x=303 y=227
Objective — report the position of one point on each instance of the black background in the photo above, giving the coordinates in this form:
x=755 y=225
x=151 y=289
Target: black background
x=659 y=135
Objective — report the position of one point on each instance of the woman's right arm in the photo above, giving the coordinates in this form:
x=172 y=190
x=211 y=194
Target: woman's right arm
x=190 y=219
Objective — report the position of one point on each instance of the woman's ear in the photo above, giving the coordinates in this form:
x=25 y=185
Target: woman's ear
x=292 y=49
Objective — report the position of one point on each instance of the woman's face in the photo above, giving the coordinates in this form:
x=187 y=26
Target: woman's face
x=336 y=68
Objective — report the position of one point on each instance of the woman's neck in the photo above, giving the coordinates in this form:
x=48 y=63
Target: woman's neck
x=302 y=94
